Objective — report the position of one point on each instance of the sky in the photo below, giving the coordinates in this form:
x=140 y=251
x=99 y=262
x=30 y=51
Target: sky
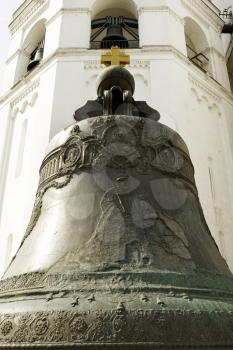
x=7 y=7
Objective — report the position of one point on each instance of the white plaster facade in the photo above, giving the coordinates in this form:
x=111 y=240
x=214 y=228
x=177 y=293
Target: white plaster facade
x=35 y=106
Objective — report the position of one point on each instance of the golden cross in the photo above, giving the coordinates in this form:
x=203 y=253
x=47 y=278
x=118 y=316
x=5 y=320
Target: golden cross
x=115 y=57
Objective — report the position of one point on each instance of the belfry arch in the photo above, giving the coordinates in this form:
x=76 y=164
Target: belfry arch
x=32 y=48
x=197 y=44
x=114 y=23
x=100 y=6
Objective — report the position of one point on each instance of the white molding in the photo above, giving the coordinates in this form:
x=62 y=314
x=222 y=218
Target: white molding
x=204 y=87
x=89 y=56
x=136 y=63
x=21 y=8
x=213 y=50
x=21 y=96
x=95 y=64
x=15 y=54
x=76 y=10
x=161 y=9
x=202 y=10
x=63 y=11
x=33 y=10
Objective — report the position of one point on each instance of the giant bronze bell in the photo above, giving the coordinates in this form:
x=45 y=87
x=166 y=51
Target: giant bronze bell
x=117 y=253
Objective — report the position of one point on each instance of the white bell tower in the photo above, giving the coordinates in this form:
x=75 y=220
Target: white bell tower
x=177 y=59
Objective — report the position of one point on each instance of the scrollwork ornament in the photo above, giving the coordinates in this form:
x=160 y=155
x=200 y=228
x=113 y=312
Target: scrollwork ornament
x=114 y=143
x=58 y=184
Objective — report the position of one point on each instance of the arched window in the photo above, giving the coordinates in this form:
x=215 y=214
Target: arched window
x=32 y=49
x=114 y=23
x=197 y=45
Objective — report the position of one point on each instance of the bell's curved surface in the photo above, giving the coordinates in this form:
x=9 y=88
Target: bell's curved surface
x=117 y=253
x=115 y=76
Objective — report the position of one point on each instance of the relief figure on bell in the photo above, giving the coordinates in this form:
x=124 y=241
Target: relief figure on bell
x=131 y=231
x=162 y=239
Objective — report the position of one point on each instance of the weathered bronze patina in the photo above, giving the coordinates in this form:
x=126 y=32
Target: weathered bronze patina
x=117 y=253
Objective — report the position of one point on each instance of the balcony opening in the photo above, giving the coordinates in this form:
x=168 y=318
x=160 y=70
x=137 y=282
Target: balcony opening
x=197 y=45
x=36 y=56
x=227 y=16
x=32 y=50
x=116 y=26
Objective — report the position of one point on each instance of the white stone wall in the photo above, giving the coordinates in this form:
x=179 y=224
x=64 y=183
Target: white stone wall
x=36 y=106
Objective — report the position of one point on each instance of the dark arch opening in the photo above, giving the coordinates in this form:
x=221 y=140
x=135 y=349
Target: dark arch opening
x=114 y=23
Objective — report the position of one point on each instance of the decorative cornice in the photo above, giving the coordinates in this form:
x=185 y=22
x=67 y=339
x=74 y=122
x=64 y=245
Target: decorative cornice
x=207 y=13
x=90 y=56
x=95 y=64
x=25 y=92
x=140 y=64
x=76 y=10
x=198 y=83
x=209 y=84
x=21 y=8
x=31 y=8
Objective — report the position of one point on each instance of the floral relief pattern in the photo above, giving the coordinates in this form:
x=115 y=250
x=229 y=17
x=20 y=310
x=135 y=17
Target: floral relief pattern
x=6 y=328
x=116 y=326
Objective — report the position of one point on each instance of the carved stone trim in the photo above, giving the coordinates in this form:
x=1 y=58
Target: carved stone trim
x=82 y=55
x=204 y=88
x=205 y=12
x=139 y=64
x=25 y=92
x=24 y=13
x=94 y=64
